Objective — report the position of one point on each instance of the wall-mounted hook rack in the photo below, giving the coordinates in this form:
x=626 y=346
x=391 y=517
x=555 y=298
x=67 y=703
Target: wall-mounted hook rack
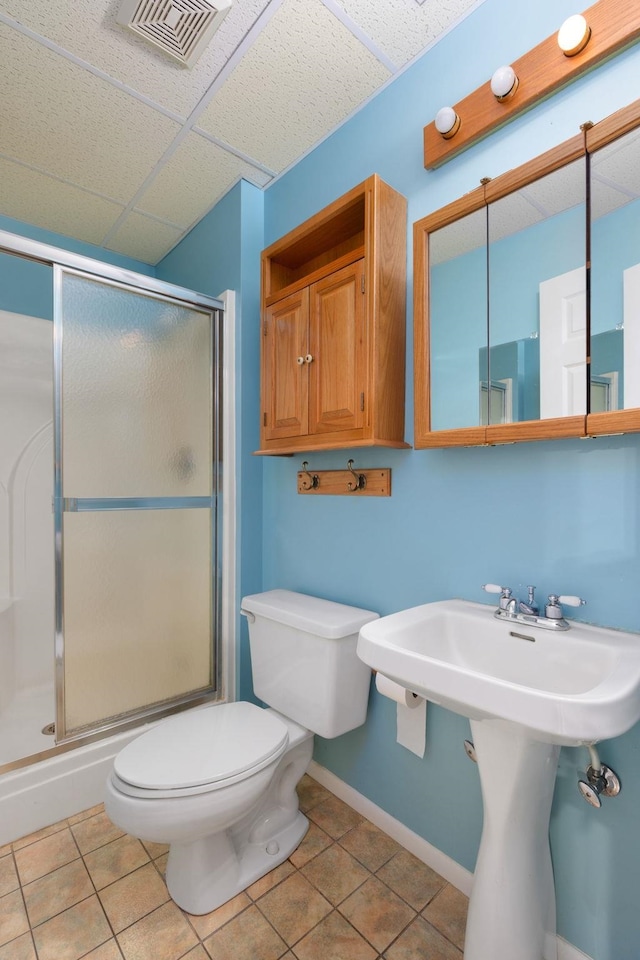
x=370 y=482
x=309 y=481
x=359 y=481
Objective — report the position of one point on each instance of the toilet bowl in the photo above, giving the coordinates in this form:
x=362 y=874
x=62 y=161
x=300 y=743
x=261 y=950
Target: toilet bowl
x=218 y=783
x=228 y=820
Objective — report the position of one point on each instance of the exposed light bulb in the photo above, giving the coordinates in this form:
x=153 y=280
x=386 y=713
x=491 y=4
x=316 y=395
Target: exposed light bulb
x=504 y=83
x=574 y=35
x=447 y=122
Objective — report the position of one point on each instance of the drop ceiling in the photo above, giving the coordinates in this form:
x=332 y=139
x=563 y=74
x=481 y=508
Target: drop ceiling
x=106 y=139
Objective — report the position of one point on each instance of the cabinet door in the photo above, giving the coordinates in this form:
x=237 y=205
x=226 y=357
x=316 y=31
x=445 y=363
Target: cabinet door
x=285 y=378
x=338 y=347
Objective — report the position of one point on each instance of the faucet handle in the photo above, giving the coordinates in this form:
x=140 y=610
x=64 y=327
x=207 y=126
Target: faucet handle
x=572 y=601
x=495 y=588
x=506 y=601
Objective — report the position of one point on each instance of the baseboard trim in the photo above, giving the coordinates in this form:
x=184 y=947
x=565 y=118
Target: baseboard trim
x=455 y=874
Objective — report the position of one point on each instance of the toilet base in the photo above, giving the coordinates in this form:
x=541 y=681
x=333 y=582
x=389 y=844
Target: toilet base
x=206 y=873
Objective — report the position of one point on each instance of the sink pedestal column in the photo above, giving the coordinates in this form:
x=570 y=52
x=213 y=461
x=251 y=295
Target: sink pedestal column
x=512 y=906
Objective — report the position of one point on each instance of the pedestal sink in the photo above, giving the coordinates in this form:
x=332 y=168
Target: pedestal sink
x=527 y=692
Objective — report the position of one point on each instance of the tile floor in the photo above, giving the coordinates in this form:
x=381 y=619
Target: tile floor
x=82 y=889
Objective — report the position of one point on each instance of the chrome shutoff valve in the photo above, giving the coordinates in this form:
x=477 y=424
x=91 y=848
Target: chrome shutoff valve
x=599 y=782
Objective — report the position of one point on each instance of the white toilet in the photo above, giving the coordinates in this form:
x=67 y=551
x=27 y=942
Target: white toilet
x=218 y=783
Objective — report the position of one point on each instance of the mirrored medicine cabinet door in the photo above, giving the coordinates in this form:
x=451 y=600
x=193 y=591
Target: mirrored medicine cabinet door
x=536 y=270
x=451 y=287
x=514 y=338
x=500 y=308
x=613 y=147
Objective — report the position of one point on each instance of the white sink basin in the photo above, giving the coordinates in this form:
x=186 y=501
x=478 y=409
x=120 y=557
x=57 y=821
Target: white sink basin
x=561 y=688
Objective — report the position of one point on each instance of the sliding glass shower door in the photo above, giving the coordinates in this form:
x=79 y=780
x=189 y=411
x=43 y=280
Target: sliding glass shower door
x=136 y=501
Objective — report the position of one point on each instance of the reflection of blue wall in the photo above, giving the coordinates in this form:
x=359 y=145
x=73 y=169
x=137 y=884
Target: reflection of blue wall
x=607 y=356
x=615 y=246
x=517 y=265
x=459 y=328
x=518 y=361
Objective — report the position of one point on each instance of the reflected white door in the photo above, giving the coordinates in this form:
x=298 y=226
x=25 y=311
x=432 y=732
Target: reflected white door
x=563 y=351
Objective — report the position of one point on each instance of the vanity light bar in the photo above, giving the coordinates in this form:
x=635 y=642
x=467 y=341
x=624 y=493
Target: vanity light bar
x=612 y=25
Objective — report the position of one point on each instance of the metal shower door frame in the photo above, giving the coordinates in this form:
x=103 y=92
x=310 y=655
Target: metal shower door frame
x=61 y=505
x=45 y=253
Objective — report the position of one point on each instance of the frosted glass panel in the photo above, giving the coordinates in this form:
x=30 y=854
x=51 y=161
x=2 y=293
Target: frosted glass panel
x=136 y=394
x=137 y=610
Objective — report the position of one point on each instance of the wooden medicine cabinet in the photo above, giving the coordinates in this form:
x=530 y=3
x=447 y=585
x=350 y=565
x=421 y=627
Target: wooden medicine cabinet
x=613 y=155
x=333 y=327
x=519 y=333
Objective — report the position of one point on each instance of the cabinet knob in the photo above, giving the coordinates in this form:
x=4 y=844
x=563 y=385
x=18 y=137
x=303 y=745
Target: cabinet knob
x=308 y=358
x=299 y=361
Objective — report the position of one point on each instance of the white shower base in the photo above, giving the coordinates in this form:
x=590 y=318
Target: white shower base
x=51 y=790
x=22 y=721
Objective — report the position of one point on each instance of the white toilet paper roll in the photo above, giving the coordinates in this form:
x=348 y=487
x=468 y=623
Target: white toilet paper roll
x=389 y=688
x=411 y=714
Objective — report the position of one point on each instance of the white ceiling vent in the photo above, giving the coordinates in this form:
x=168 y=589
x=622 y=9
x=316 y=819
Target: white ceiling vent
x=182 y=28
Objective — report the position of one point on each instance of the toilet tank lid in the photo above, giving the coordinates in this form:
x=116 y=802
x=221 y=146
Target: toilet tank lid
x=324 y=618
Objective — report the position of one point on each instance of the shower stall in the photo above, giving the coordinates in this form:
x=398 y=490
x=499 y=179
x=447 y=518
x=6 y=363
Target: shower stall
x=111 y=454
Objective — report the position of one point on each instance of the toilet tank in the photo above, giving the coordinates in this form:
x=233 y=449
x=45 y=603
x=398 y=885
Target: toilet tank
x=303 y=659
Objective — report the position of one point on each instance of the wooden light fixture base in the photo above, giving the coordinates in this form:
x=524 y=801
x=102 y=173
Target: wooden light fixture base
x=614 y=24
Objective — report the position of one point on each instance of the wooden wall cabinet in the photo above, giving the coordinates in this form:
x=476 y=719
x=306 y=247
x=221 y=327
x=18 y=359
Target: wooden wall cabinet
x=333 y=327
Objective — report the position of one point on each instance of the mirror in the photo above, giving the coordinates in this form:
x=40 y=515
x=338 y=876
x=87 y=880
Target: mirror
x=537 y=301
x=450 y=288
x=457 y=262
x=615 y=281
x=500 y=316
x=515 y=339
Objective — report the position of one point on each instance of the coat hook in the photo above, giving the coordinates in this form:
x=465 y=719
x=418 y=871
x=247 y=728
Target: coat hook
x=314 y=480
x=360 y=479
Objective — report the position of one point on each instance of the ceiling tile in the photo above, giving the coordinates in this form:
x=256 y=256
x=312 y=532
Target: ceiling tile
x=457 y=238
x=144 y=238
x=618 y=162
x=61 y=119
x=304 y=74
x=88 y=29
x=198 y=174
x=560 y=190
x=605 y=198
x=35 y=198
x=402 y=28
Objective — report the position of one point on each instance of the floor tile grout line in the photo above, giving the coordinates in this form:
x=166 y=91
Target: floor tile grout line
x=98 y=892
x=333 y=841
x=441 y=932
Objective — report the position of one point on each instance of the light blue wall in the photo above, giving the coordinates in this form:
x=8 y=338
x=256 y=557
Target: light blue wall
x=223 y=253
x=563 y=515
x=26 y=287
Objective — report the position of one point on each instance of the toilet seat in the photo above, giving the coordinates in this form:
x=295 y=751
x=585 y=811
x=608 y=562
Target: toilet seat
x=200 y=750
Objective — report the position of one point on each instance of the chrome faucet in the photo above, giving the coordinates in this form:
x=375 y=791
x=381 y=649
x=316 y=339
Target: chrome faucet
x=521 y=611
x=530 y=607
